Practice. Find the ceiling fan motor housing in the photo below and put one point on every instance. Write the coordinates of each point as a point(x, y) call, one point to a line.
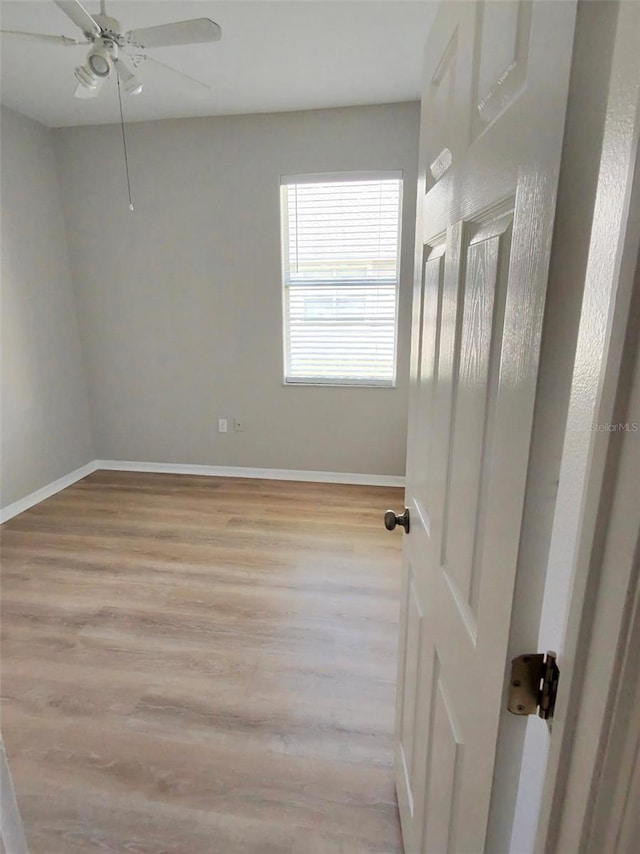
point(109, 29)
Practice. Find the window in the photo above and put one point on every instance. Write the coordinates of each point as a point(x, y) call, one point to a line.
point(340, 247)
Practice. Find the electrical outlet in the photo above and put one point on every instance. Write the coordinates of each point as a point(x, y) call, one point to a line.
point(238, 425)
point(222, 425)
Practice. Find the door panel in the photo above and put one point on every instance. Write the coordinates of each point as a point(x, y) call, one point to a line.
point(433, 285)
point(502, 45)
point(446, 753)
point(482, 311)
point(413, 645)
point(448, 68)
point(485, 225)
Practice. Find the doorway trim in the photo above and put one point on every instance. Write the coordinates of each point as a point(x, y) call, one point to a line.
point(590, 654)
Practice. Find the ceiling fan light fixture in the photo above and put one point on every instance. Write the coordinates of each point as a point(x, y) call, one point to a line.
point(99, 65)
point(132, 86)
point(85, 77)
point(99, 60)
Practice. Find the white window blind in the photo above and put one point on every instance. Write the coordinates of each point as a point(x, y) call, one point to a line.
point(341, 242)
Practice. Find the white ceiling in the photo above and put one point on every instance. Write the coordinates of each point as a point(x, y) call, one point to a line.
point(274, 55)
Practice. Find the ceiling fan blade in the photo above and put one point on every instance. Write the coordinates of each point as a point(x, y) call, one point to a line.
point(86, 93)
point(203, 86)
point(182, 32)
point(44, 37)
point(80, 17)
point(130, 83)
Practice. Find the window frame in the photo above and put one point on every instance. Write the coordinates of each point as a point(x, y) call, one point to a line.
point(326, 178)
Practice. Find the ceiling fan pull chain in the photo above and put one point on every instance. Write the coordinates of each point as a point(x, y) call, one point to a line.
point(124, 144)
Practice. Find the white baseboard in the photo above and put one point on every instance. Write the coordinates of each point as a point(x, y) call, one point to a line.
point(47, 491)
point(259, 474)
point(50, 489)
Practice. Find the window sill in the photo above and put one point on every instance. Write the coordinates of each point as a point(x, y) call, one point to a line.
point(320, 384)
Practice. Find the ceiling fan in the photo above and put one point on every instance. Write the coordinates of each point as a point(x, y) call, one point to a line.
point(111, 48)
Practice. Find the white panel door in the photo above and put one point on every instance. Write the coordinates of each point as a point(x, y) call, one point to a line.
point(494, 103)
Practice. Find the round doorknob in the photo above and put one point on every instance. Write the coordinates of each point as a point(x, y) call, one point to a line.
point(392, 519)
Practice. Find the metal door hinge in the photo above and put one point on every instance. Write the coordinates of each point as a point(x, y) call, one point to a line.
point(534, 684)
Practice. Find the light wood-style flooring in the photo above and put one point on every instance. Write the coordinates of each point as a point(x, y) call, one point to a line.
point(196, 665)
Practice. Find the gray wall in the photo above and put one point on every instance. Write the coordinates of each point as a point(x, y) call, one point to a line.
point(180, 302)
point(45, 425)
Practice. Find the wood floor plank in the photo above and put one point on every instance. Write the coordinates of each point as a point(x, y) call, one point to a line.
point(195, 665)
